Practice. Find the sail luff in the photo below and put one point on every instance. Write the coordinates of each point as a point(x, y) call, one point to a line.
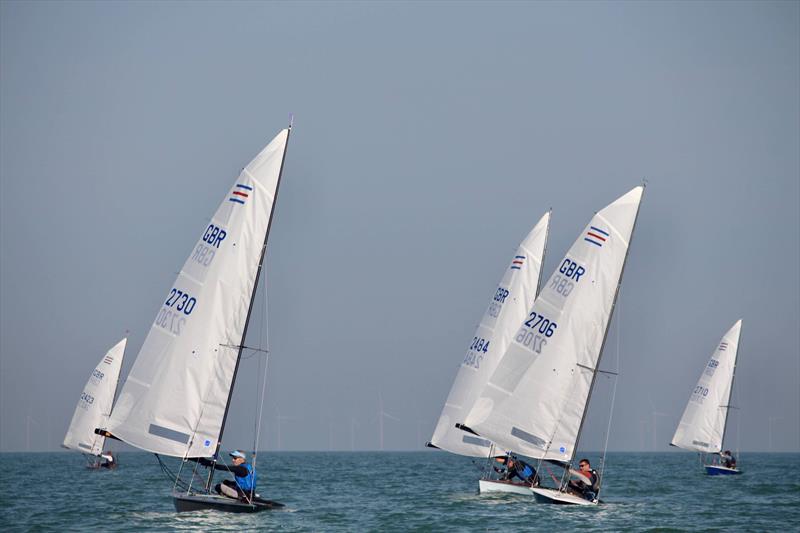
point(730, 392)
point(608, 326)
point(178, 391)
point(507, 308)
point(704, 420)
point(544, 254)
point(95, 404)
point(255, 288)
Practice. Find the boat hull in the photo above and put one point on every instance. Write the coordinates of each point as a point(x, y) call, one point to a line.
point(509, 487)
point(718, 470)
point(200, 502)
point(557, 497)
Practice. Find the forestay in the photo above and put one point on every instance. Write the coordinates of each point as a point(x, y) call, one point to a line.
point(507, 310)
point(702, 426)
point(175, 398)
point(535, 400)
point(96, 403)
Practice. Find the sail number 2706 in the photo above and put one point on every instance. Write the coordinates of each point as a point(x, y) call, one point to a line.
point(535, 331)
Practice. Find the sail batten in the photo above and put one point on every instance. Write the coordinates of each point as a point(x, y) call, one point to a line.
point(507, 308)
point(702, 426)
point(535, 401)
point(96, 403)
point(176, 396)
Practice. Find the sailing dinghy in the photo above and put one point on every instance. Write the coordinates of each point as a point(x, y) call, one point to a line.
point(705, 419)
point(176, 398)
point(535, 401)
point(507, 309)
point(94, 407)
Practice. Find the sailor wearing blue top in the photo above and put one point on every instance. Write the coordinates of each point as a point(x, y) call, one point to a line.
point(243, 485)
point(516, 468)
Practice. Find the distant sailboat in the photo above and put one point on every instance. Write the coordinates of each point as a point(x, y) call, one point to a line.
point(507, 309)
point(535, 401)
point(94, 407)
point(176, 398)
point(702, 427)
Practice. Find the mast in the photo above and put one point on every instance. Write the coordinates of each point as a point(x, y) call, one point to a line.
point(730, 393)
point(595, 370)
point(250, 307)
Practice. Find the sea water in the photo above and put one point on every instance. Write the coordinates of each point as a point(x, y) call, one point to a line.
point(396, 491)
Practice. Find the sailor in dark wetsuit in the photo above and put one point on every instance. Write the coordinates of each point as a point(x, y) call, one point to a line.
point(579, 487)
point(517, 469)
point(727, 459)
point(243, 486)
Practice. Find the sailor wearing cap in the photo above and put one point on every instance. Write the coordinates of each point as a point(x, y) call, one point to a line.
point(243, 485)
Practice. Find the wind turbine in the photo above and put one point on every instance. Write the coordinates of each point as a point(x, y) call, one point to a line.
point(420, 423)
point(771, 420)
point(654, 414)
point(28, 432)
point(353, 426)
point(642, 431)
point(381, 415)
point(280, 419)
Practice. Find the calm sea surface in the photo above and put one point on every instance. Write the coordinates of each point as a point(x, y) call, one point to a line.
point(425, 491)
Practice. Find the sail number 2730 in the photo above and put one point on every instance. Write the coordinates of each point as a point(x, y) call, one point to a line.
point(172, 316)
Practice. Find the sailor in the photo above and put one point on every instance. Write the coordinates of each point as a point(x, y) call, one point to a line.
point(579, 486)
point(243, 485)
point(516, 468)
point(109, 462)
point(727, 459)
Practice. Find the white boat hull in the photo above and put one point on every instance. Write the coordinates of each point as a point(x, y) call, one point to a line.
point(496, 485)
point(558, 497)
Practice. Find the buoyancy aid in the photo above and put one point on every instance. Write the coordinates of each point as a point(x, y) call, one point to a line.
point(595, 481)
point(248, 482)
point(526, 472)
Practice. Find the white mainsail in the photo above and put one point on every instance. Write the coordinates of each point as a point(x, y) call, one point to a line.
point(175, 398)
point(535, 400)
point(702, 426)
point(507, 309)
point(96, 403)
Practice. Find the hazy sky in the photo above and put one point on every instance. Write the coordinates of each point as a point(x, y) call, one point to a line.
point(428, 140)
